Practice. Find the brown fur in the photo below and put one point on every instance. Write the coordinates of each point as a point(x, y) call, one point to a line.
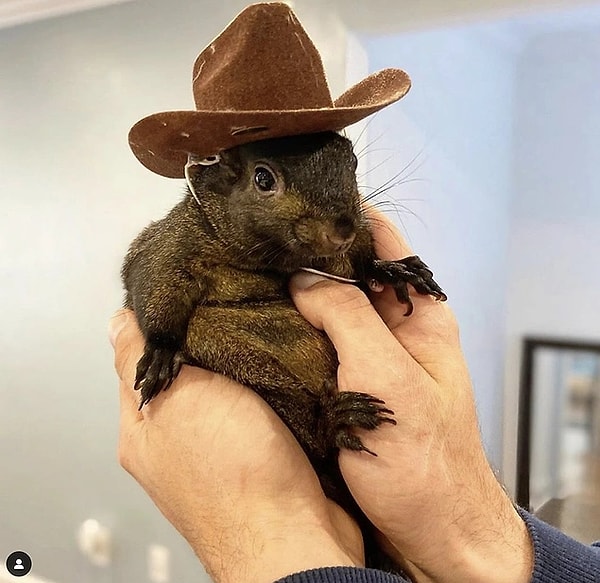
point(209, 282)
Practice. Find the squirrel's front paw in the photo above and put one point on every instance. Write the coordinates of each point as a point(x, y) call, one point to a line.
point(348, 410)
point(400, 273)
point(156, 370)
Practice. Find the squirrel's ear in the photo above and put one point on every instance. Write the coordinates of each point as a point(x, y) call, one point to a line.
point(231, 166)
point(219, 173)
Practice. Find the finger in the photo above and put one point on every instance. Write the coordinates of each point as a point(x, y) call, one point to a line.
point(389, 243)
point(430, 334)
point(129, 426)
point(126, 339)
point(116, 323)
point(128, 344)
point(429, 316)
point(348, 318)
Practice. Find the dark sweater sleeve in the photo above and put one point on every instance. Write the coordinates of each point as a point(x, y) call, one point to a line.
point(558, 559)
point(343, 575)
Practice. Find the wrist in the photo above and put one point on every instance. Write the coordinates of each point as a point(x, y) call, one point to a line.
point(279, 557)
point(269, 546)
point(497, 548)
point(484, 542)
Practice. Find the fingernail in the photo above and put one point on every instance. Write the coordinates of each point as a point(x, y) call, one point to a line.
point(304, 280)
point(116, 324)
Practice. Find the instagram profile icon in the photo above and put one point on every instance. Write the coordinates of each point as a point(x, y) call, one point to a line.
point(18, 564)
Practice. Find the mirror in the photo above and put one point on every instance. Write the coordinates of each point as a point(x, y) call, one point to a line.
point(559, 435)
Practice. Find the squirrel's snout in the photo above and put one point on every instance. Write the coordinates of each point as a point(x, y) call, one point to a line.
point(345, 226)
point(326, 238)
point(339, 244)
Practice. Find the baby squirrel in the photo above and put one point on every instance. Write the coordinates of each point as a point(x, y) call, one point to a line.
point(209, 286)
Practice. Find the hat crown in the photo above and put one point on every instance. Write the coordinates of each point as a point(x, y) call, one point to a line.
point(263, 61)
point(261, 78)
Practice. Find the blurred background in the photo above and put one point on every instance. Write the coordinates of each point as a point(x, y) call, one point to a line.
point(495, 160)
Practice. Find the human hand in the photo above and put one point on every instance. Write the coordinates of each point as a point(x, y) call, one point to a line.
point(430, 492)
point(227, 473)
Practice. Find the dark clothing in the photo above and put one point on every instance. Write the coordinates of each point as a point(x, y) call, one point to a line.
point(558, 559)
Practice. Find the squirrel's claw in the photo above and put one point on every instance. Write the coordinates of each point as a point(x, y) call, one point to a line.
point(346, 411)
point(156, 371)
point(410, 270)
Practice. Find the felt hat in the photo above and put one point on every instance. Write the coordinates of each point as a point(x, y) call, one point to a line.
point(261, 78)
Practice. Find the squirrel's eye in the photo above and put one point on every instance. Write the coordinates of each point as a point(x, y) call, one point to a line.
point(264, 179)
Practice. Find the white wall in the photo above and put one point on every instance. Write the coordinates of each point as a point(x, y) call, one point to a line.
point(555, 235)
point(73, 197)
point(453, 132)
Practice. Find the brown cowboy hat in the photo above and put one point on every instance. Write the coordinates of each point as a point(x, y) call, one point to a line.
point(262, 77)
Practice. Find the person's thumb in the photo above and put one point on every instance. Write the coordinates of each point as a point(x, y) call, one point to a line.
point(346, 315)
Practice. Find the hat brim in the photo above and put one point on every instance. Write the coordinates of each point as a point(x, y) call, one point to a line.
point(163, 141)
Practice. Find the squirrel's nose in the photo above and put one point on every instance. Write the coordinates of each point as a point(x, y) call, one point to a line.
point(340, 244)
point(344, 226)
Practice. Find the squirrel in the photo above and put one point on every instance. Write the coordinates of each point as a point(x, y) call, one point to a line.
point(209, 287)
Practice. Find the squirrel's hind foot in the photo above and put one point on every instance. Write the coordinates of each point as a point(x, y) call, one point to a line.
point(346, 411)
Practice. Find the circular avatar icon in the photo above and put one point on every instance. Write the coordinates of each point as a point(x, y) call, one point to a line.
point(18, 564)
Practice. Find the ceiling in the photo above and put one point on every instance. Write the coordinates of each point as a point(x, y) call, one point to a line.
point(416, 14)
point(13, 12)
point(520, 19)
